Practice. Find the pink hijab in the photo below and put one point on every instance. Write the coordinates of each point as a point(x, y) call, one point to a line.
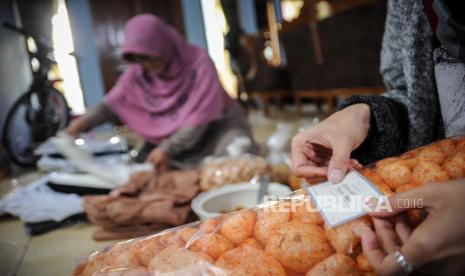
point(188, 92)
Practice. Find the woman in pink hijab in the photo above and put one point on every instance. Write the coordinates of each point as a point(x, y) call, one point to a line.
point(171, 96)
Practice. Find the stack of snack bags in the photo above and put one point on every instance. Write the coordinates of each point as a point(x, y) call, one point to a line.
point(280, 238)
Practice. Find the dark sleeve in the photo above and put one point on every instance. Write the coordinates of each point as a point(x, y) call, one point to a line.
point(184, 139)
point(388, 132)
point(98, 115)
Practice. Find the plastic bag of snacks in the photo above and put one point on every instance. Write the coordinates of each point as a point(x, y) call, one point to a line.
point(284, 237)
point(219, 172)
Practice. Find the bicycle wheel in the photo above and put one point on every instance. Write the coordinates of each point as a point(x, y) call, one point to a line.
point(36, 116)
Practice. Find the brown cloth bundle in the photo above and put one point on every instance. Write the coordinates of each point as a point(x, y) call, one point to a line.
point(150, 201)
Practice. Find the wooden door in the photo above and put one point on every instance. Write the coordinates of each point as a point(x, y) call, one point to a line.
point(109, 18)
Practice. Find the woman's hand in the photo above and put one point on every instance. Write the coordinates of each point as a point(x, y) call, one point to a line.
point(76, 127)
point(437, 244)
point(159, 158)
point(324, 150)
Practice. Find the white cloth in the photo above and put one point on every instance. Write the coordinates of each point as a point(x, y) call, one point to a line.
point(117, 174)
point(36, 202)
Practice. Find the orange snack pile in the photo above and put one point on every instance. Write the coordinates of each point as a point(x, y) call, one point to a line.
point(277, 239)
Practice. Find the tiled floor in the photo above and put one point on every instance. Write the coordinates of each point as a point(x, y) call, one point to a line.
point(57, 252)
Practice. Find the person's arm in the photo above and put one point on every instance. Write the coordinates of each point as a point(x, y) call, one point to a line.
point(388, 132)
point(369, 128)
point(184, 139)
point(407, 115)
point(94, 117)
point(100, 114)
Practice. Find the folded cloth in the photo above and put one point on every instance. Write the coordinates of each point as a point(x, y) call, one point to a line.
point(150, 201)
point(36, 202)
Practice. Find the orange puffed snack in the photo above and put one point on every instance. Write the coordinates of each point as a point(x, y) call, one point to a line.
point(187, 233)
point(287, 237)
point(455, 165)
point(147, 248)
point(461, 145)
point(252, 242)
point(363, 263)
point(447, 146)
point(432, 153)
point(248, 260)
point(429, 171)
point(395, 173)
point(346, 237)
point(305, 211)
point(174, 259)
point(374, 178)
point(268, 218)
point(336, 265)
point(298, 246)
point(238, 226)
point(211, 244)
point(210, 225)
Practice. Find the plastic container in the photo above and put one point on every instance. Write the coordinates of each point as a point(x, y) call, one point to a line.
point(232, 198)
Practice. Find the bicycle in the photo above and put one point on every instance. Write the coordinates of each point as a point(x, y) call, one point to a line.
point(40, 112)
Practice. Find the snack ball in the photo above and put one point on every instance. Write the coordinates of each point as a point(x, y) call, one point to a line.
point(305, 211)
point(335, 265)
point(212, 244)
point(460, 146)
point(396, 173)
point(428, 171)
point(170, 239)
point(252, 242)
point(447, 146)
point(239, 226)
point(268, 218)
point(345, 237)
point(455, 166)
point(374, 178)
point(432, 153)
point(175, 259)
point(147, 248)
point(187, 233)
point(363, 263)
point(247, 260)
point(298, 246)
point(126, 259)
point(210, 225)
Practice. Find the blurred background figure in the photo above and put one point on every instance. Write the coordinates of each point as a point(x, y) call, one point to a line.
point(171, 96)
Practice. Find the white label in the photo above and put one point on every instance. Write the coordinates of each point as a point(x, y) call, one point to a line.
point(345, 201)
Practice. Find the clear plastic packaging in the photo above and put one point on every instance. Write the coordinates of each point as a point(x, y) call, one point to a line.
point(224, 171)
point(284, 237)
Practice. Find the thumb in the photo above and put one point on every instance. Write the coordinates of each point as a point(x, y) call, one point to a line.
point(339, 162)
point(412, 199)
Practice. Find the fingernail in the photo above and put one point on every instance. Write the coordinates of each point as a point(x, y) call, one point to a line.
point(336, 176)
